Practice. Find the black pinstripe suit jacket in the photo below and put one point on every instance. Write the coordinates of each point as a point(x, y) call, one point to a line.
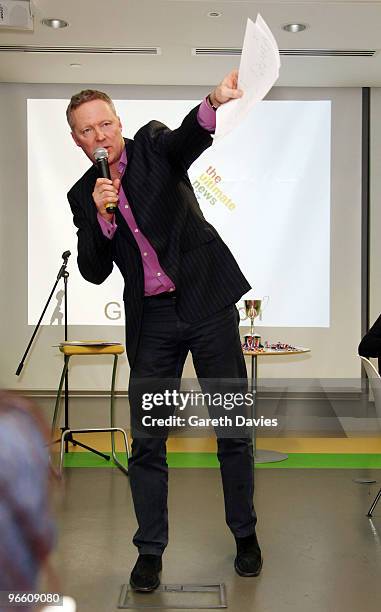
point(161, 197)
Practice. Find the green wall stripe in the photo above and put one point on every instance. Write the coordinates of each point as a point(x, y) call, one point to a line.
point(209, 460)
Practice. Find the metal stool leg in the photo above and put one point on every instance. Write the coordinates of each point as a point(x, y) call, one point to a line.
point(94, 429)
point(64, 434)
point(57, 410)
point(116, 460)
point(69, 432)
point(374, 503)
point(112, 420)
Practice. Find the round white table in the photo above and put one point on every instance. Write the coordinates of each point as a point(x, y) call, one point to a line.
point(260, 455)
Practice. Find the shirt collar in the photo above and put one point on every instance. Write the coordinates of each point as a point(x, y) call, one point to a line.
point(122, 162)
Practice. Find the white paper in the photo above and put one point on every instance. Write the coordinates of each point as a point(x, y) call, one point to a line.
point(258, 71)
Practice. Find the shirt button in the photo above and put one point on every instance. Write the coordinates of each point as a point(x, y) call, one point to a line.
point(136, 231)
point(126, 206)
point(159, 274)
point(145, 254)
point(172, 289)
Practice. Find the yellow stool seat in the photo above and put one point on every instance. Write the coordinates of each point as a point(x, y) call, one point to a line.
point(91, 347)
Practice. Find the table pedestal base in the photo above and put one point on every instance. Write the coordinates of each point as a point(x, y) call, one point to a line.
point(268, 456)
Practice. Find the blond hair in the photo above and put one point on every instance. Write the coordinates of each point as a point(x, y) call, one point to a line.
point(86, 95)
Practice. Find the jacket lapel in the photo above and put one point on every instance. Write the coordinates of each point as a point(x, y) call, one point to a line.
point(122, 224)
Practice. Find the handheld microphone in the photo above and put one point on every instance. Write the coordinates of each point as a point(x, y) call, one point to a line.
point(101, 158)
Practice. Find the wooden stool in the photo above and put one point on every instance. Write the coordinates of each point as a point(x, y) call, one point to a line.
point(82, 348)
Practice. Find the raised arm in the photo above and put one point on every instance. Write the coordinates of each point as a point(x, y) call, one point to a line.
point(186, 143)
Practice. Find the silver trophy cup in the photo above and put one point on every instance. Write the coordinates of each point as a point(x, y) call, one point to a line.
point(253, 310)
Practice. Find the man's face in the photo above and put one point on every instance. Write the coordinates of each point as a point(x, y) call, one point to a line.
point(95, 125)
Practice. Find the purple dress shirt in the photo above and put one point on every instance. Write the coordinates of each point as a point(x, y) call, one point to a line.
point(155, 279)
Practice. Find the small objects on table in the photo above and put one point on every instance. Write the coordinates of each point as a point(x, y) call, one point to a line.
point(253, 343)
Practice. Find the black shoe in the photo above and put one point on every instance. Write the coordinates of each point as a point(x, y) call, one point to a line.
point(145, 574)
point(248, 561)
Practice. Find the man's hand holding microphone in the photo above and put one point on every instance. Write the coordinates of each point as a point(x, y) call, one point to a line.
point(106, 190)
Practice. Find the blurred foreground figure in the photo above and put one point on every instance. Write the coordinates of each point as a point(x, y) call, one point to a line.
point(26, 526)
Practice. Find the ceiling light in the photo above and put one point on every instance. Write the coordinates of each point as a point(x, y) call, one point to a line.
point(56, 24)
point(75, 65)
point(214, 14)
point(294, 27)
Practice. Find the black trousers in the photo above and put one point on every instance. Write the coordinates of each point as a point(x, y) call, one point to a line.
point(215, 346)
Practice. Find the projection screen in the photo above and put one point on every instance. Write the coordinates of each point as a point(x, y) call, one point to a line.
point(265, 187)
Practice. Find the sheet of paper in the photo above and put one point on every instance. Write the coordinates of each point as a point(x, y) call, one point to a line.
point(258, 71)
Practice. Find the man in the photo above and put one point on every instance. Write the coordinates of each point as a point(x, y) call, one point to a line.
point(370, 345)
point(181, 286)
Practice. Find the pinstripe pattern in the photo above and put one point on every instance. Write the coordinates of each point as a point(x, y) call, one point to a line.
point(161, 197)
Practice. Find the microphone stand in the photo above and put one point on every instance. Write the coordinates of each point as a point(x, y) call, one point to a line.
point(63, 273)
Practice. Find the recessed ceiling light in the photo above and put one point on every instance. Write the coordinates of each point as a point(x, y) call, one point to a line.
point(55, 23)
point(294, 27)
point(75, 65)
point(214, 14)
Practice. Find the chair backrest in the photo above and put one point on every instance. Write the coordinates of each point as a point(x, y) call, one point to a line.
point(374, 382)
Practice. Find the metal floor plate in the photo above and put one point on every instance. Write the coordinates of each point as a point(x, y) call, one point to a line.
point(175, 597)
